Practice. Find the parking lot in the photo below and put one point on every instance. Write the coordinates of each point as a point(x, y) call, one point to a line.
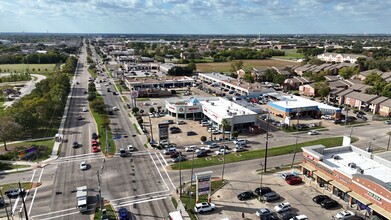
point(299, 196)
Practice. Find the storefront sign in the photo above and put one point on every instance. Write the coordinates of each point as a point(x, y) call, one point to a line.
point(342, 179)
point(320, 166)
point(374, 196)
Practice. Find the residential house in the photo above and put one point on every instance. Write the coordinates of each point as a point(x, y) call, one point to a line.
point(302, 69)
point(258, 74)
point(295, 82)
point(307, 90)
point(359, 100)
point(339, 58)
point(375, 104)
point(385, 108)
point(363, 75)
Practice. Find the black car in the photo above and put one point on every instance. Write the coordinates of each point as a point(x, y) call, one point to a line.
point(75, 144)
point(329, 203)
point(245, 195)
point(173, 128)
point(287, 215)
point(191, 133)
point(2, 202)
point(319, 198)
point(202, 154)
point(175, 131)
point(128, 105)
point(260, 191)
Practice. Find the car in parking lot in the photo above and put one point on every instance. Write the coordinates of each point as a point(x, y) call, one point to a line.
point(175, 131)
point(179, 159)
point(213, 145)
point(286, 176)
point(130, 148)
point(294, 180)
point(191, 133)
point(180, 122)
point(222, 152)
point(319, 198)
point(239, 149)
point(245, 195)
point(95, 149)
point(287, 215)
point(2, 202)
point(271, 196)
point(282, 207)
point(388, 122)
point(202, 154)
point(75, 144)
point(329, 203)
point(260, 191)
point(83, 165)
point(204, 207)
point(169, 150)
point(240, 141)
point(169, 121)
point(263, 212)
point(191, 148)
point(300, 217)
point(175, 154)
point(342, 215)
point(313, 132)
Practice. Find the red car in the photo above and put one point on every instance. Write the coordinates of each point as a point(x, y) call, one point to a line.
point(94, 142)
point(95, 149)
point(294, 180)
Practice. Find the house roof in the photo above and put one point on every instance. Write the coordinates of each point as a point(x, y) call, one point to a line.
point(386, 103)
point(379, 100)
point(336, 91)
point(359, 87)
point(331, 77)
point(367, 72)
point(362, 96)
point(386, 75)
point(338, 83)
point(347, 91)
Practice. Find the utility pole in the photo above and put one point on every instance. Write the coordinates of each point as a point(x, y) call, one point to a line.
point(261, 172)
point(192, 169)
point(222, 173)
point(294, 153)
point(346, 118)
point(388, 144)
point(24, 204)
point(150, 126)
point(267, 140)
point(100, 192)
point(180, 179)
point(5, 207)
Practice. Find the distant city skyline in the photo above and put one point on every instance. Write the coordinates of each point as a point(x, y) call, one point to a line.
point(196, 16)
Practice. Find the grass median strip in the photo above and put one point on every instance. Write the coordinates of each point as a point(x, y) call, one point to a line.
point(257, 154)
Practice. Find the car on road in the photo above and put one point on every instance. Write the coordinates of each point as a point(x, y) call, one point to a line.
point(342, 215)
point(80, 117)
point(94, 142)
point(179, 159)
point(329, 203)
point(95, 149)
point(260, 191)
point(122, 152)
point(263, 212)
point(213, 145)
point(94, 136)
point(191, 148)
point(282, 207)
point(123, 214)
point(286, 176)
point(240, 141)
point(75, 144)
point(130, 148)
point(191, 133)
point(204, 207)
point(83, 165)
point(222, 152)
point(388, 122)
point(271, 196)
point(12, 193)
point(299, 217)
point(313, 132)
point(85, 109)
point(294, 180)
point(245, 195)
point(319, 198)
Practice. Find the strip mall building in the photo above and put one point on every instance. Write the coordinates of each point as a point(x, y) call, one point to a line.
point(358, 177)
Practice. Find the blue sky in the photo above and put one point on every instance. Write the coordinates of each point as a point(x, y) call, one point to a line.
point(196, 16)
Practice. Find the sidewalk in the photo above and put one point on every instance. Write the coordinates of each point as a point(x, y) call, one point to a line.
point(180, 207)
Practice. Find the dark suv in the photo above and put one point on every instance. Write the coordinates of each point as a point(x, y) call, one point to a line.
point(329, 203)
point(245, 195)
point(260, 191)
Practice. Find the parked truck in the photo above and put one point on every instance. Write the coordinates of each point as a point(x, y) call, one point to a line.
point(81, 197)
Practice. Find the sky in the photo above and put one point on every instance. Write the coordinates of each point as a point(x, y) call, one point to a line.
point(196, 16)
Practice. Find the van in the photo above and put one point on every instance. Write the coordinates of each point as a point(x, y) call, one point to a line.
point(270, 196)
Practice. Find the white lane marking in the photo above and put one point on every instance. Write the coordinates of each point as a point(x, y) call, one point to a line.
point(164, 168)
point(80, 159)
point(32, 177)
point(163, 158)
point(79, 155)
point(35, 192)
point(64, 210)
point(17, 200)
point(58, 216)
point(157, 168)
point(140, 201)
point(157, 192)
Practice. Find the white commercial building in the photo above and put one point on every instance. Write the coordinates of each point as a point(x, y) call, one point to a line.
point(216, 109)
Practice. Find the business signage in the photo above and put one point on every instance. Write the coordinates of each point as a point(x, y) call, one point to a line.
point(374, 196)
point(203, 183)
point(163, 131)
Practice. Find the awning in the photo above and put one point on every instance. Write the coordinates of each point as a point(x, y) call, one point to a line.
point(323, 176)
point(340, 186)
point(358, 197)
point(381, 211)
point(308, 167)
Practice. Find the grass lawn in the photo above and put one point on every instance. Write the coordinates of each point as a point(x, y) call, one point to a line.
point(15, 185)
point(41, 156)
point(189, 204)
point(135, 128)
point(142, 99)
point(92, 73)
point(21, 68)
point(102, 135)
point(257, 154)
point(7, 166)
point(109, 210)
point(291, 54)
point(247, 64)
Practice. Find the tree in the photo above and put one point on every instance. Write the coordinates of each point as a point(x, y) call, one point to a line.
point(348, 72)
point(248, 78)
point(9, 129)
point(192, 66)
point(387, 91)
point(224, 126)
point(135, 110)
point(322, 88)
point(203, 138)
point(152, 110)
point(235, 134)
point(372, 78)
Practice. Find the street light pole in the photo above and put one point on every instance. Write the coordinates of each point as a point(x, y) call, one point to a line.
point(294, 153)
point(192, 169)
point(107, 142)
point(222, 173)
point(180, 179)
point(261, 172)
point(267, 140)
point(5, 207)
point(150, 126)
point(24, 204)
point(388, 144)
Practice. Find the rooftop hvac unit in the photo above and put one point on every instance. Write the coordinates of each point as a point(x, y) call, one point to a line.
point(352, 165)
point(335, 157)
point(212, 103)
point(359, 170)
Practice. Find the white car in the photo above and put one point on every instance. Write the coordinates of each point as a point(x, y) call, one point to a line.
point(299, 217)
point(344, 214)
point(115, 108)
point(202, 149)
point(213, 145)
point(282, 207)
point(240, 141)
point(313, 132)
point(221, 152)
point(204, 207)
point(85, 109)
point(83, 165)
point(239, 149)
point(130, 148)
point(191, 148)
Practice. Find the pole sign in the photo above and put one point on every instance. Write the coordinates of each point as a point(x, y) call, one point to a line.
point(203, 184)
point(163, 131)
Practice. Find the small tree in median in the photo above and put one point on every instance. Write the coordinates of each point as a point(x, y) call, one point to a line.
point(203, 139)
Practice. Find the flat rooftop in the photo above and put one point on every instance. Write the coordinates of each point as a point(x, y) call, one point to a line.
point(226, 108)
point(300, 102)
